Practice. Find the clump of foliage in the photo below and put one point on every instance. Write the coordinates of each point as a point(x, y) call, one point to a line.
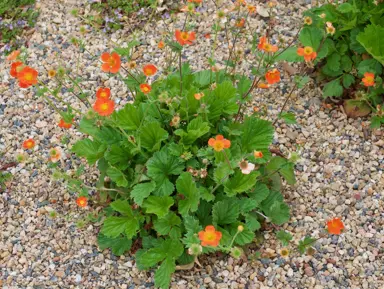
point(349, 34)
point(15, 17)
point(184, 169)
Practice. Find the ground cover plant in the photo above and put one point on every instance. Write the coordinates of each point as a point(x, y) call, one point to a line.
point(15, 17)
point(352, 67)
point(184, 169)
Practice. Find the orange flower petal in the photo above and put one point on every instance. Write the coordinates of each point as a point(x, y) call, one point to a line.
point(105, 56)
point(211, 142)
point(227, 143)
point(219, 137)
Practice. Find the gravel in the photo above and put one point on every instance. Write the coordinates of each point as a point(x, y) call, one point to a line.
point(340, 173)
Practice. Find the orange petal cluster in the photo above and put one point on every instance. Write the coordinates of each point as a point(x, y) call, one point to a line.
point(307, 52)
point(149, 70)
point(13, 56)
point(111, 62)
point(104, 107)
point(28, 144)
point(258, 154)
point(272, 76)
point(145, 88)
point(369, 79)
point(82, 202)
point(26, 75)
point(335, 226)
point(103, 93)
point(210, 237)
point(64, 124)
point(264, 45)
point(184, 37)
point(219, 144)
point(161, 44)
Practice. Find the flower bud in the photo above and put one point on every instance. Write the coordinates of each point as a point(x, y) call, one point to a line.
point(195, 249)
point(240, 228)
point(236, 252)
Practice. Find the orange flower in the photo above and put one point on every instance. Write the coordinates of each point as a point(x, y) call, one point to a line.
point(195, 1)
point(183, 37)
point(219, 143)
point(64, 124)
point(251, 9)
point(210, 237)
point(149, 70)
point(111, 62)
point(257, 154)
point(330, 29)
point(28, 144)
point(16, 67)
point(308, 20)
point(307, 52)
point(198, 96)
point(161, 44)
point(207, 35)
point(55, 154)
point(266, 46)
point(240, 23)
point(27, 77)
point(145, 88)
point(51, 73)
point(272, 76)
point(263, 85)
point(369, 79)
point(103, 93)
point(335, 226)
point(104, 107)
point(13, 56)
point(82, 202)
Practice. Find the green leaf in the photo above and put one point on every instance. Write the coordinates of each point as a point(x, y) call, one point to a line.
point(225, 212)
point(123, 207)
point(151, 136)
point(203, 78)
point(288, 117)
point(117, 154)
point(311, 36)
point(244, 237)
point(260, 193)
point(142, 191)
point(371, 39)
point(278, 213)
point(117, 176)
point(301, 81)
point(333, 61)
point(284, 237)
point(257, 134)
point(88, 126)
point(345, 8)
point(333, 88)
point(348, 80)
point(114, 226)
point(91, 150)
point(240, 182)
point(354, 44)
point(160, 167)
point(206, 194)
point(164, 272)
point(252, 222)
point(128, 118)
point(370, 65)
point(290, 55)
point(221, 172)
point(346, 63)
point(118, 245)
point(169, 223)
point(195, 129)
point(306, 243)
point(283, 167)
point(186, 186)
point(376, 121)
point(158, 205)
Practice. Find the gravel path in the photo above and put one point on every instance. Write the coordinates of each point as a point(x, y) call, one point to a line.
point(340, 174)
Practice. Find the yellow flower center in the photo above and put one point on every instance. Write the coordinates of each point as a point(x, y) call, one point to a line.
point(145, 89)
point(103, 94)
point(104, 107)
point(369, 79)
point(184, 35)
point(28, 76)
point(111, 61)
point(210, 236)
point(218, 146)
point(308, 50)
point(53, 153)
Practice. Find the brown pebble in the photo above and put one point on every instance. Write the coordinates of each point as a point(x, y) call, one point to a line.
point(60, 274)
point(56, 259)
point(308, 271)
